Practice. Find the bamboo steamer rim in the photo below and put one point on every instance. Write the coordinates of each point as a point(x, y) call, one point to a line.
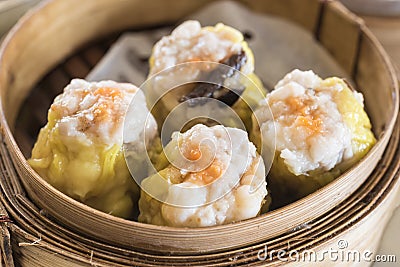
point(189, 235)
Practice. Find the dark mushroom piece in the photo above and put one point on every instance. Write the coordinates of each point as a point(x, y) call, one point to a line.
point(215, 88)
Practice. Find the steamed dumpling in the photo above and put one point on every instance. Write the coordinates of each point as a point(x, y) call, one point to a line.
point(214, 176)
point(79, 151)
point(319, 128)
point(191, 43)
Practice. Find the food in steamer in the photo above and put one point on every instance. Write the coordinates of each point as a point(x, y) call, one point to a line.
point(190, 54)
point(312, 130)
point(214, 176)
point(80, 150)
point(319, 128)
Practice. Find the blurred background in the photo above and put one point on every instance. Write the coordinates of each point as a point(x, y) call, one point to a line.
point(374, 7)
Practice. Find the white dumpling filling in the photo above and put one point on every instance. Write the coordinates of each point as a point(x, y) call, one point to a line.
point(216, 177)
point(94, 112)
point(189, 42)
point(307, 127)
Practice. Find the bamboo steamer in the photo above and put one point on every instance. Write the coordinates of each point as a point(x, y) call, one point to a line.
point(51, 229)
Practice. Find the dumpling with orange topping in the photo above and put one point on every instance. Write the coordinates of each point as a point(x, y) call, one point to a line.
point(196, 62)
point(319, 128)
point(79, 151)
point(211, 176)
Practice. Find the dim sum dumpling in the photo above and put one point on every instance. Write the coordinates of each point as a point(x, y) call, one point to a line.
point(214, 177)
point(79, 151)
point(191, 43)
point(319, 128)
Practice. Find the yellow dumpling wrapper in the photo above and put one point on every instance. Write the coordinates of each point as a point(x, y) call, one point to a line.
point(95, 175)
point(79, 151)
point(326, 133)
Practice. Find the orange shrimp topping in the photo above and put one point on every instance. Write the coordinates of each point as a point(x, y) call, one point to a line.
point(108, 92)
point(190, 151)
point(203, 177)
point(194, 154)
point(306, 117)
point(297, 106)
point(312, 125)
point(103, 110)
point(206, 176)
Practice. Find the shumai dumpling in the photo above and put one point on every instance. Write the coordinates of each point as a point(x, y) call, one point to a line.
point(211, 176)
point(192, 43)
point(80, 150)
point(319, 128)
